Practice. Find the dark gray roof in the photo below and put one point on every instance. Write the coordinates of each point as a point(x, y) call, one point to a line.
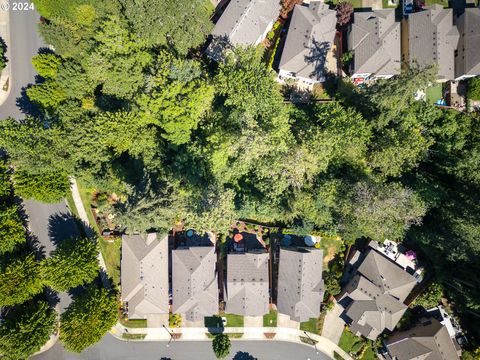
point(433, 39)
point(309, 38)
point(376, 294)
point(144, 275)
point(194, 282)
point(427, 341)
point(300, 284)
point(375, 39)
point(468, 59)
point(244, 21)
point(247, 284)
point(385, 274)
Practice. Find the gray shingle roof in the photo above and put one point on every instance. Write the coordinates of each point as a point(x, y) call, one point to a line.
point(468, 59)
point(247, 284)
point(144, 275)
point(245, 21)
point(387, 275)
point(426, 341)
point(194, 282)
point(300, 284)
point(375, 39)
point(309, 38)
point(433, 39)
point(377, 292)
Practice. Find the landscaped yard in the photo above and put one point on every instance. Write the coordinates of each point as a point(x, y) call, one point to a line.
point(133, 336)
point(270, 320)
point(330, 246)
point(386, 5)
point(434, 93)
point(310, 326)
point(444, 3)
point(356, 345)
point(137, 323)
point(110, 250)
point(355, 3)
point(234, 320)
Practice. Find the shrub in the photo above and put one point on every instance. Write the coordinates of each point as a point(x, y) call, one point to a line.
point(221, 346)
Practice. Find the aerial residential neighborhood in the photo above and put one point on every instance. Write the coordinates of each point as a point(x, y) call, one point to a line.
point(240, 179)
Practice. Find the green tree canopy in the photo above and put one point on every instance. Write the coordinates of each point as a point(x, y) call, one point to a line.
point(48, 187)
point(20, 280)
point(221, 346)
point(88, 318)
point(12, 231)
point(73, 263)
point(25, 329)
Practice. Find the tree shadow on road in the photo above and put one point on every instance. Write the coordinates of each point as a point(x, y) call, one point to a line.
point(61, 226)
point(242, 355)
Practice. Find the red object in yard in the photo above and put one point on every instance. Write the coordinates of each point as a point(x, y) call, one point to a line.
point(238, 237)
point(358, 81)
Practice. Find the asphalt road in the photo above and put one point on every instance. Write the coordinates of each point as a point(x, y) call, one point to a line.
point(111, 348)
point(51, 224)
point(25, 42)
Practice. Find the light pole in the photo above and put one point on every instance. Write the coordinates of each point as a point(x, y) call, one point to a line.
point(169, 333)
point(313, 341)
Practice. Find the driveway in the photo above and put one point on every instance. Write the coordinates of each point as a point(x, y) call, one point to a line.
point(50, 224)
point(112, 349)
point(333, 325)
point(24, 43)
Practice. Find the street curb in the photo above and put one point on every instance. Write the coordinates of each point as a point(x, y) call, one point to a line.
point(7, 72)
point(285, 335)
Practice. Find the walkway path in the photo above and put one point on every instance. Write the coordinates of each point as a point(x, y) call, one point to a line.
point(249, 333)
point(82, 214)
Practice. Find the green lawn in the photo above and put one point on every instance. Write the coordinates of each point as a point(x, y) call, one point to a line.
point(234, 320)
point(355, 3)
point(444, 3)
point(310, 326)
point(434, 93)
point(110, 250)
point(133, 336)
point(270, 320)
point(354, 344)
point(140, 323)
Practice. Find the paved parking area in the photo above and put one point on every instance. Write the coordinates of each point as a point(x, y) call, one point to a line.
point(333, 325)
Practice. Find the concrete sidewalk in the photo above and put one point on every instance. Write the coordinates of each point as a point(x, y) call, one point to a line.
point(82, 213)
point(249, 333)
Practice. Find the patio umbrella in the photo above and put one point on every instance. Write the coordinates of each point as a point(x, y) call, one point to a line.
point(189, 233)
point(310, 240)
point(237, 237)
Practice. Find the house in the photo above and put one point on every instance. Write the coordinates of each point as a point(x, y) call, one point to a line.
point(247, 289)
point(467, 57)
point(309, 47)
point(144, 275)
point(244, 22)
point(432, 39)
point(300, 284)
point(194, 280)
point(374, 297)
point(429, 340)
point(374, 40)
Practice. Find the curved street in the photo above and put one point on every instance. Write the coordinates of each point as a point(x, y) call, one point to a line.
point(25, 41)
point(111, 348)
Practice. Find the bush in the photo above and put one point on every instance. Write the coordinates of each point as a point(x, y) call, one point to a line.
point(221, 346)
point(430, 297)
point(474, 88)
point(175, 320)
point(3, 57)
point(45, 187)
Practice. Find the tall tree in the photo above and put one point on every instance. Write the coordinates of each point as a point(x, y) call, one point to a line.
point(48, 187)
point(221, 346)
point(20, 280)
point(25, 329)
point(88, 318)
point(73, 263)
point(12, 231)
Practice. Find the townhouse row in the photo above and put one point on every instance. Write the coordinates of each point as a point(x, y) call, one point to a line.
point(379, 42)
